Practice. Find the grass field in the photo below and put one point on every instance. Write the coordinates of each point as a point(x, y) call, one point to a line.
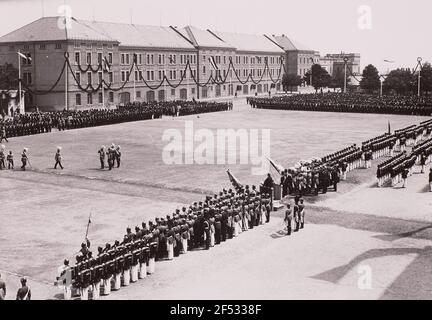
point(44, 211)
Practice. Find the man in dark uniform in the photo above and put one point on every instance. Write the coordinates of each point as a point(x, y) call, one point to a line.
point(102, 157)
point(24, 159)
point(118, 156)
point(10, 160)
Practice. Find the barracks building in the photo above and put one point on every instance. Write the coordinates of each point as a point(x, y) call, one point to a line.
point(186, 56)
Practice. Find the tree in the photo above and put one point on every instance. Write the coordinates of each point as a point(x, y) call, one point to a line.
point(426, 78)
point(337, 80)
point(320, 77)
point(401, 81)
point(370, 81)
point(8, 77)
point(290, 80)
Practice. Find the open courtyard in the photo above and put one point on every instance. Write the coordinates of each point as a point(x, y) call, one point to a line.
point(44, 212)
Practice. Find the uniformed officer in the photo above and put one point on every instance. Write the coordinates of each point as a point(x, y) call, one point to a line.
point(102, 157)
point(65, 279)
point(118, 156)
point(10, 160)
point(302, 213)
point(24, 159)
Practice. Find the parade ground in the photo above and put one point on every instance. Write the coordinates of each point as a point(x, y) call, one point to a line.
point(360, 229)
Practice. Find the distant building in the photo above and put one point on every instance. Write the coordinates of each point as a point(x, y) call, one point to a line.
point(334, 63)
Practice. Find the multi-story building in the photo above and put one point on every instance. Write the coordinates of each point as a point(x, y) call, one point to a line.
point(102, 54)
point(300, 59)
point(335, 63)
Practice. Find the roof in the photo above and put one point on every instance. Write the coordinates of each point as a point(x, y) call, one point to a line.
point(133, 35)
point(290, 44)
point(47, 29)
point(203, 38)
point(249, 42)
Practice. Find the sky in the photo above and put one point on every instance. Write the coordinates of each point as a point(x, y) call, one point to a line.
point(377, 29)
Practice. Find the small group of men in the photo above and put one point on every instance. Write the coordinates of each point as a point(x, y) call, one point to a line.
point(24, 159)
point(295, 215)
point(113, 155)
point(23, 293)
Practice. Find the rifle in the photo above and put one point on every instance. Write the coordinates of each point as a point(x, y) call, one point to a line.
point(88, 225)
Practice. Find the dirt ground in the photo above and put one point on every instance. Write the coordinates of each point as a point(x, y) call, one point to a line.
point(44, 213)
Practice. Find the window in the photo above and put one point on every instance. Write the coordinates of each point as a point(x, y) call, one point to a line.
point(140, 58)
point(204, 70)
point(100, 76)
point(127, 59)
point(78, 99)
point(29, 61)
point(89, 77)
point(110, 77)
point(78, 77)
point(152, 61)
point(111, 97)
point(174, 74)
point(148, 59)
point(89, 98)
point(160, 75)
point(152, 75)
point(193, 90)
point(89, 58)
point(123, 76)
point(127, 75)
point(42, 46)
point(122, 58)
point(77, 45)
point(100, 98)
point(138, 94)
point(58, 45)
point(160, 59)
point(77, 58)
point(140, 75)
point(148, 75)
point(173, 92)
point(99, 57)
point(27, 78)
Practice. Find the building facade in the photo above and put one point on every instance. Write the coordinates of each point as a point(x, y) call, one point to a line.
point(104, 53)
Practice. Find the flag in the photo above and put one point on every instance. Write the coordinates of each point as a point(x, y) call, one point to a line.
point(389, 61)
point(277, 167)
point(25, 56)
point(213, 63)
point(237, 185)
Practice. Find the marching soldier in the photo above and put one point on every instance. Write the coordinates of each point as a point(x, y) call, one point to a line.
point(102, 157)
point(3, 133)
point(10, 160)
point(58, 158)
point(118, 156)
point(24, 159)
point(296, 214)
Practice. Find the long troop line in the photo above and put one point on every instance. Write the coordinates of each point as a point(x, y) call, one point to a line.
point(204, 224)
point(318, 174)
point(399, 167)
point(44, 122)
point(349, 102)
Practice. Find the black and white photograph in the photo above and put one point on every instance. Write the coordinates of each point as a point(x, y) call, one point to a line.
point(223, 151)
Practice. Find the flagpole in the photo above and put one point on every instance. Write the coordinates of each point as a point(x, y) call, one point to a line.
point(102, 83)
point(19, 77)
point(66, 88)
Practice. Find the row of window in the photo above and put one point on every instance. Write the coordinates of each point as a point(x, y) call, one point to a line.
point(78, 101)
point(307, 60)
point(89, 58)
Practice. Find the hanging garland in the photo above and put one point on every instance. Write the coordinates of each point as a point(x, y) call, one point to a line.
point(40, 93)
point(219, 80)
